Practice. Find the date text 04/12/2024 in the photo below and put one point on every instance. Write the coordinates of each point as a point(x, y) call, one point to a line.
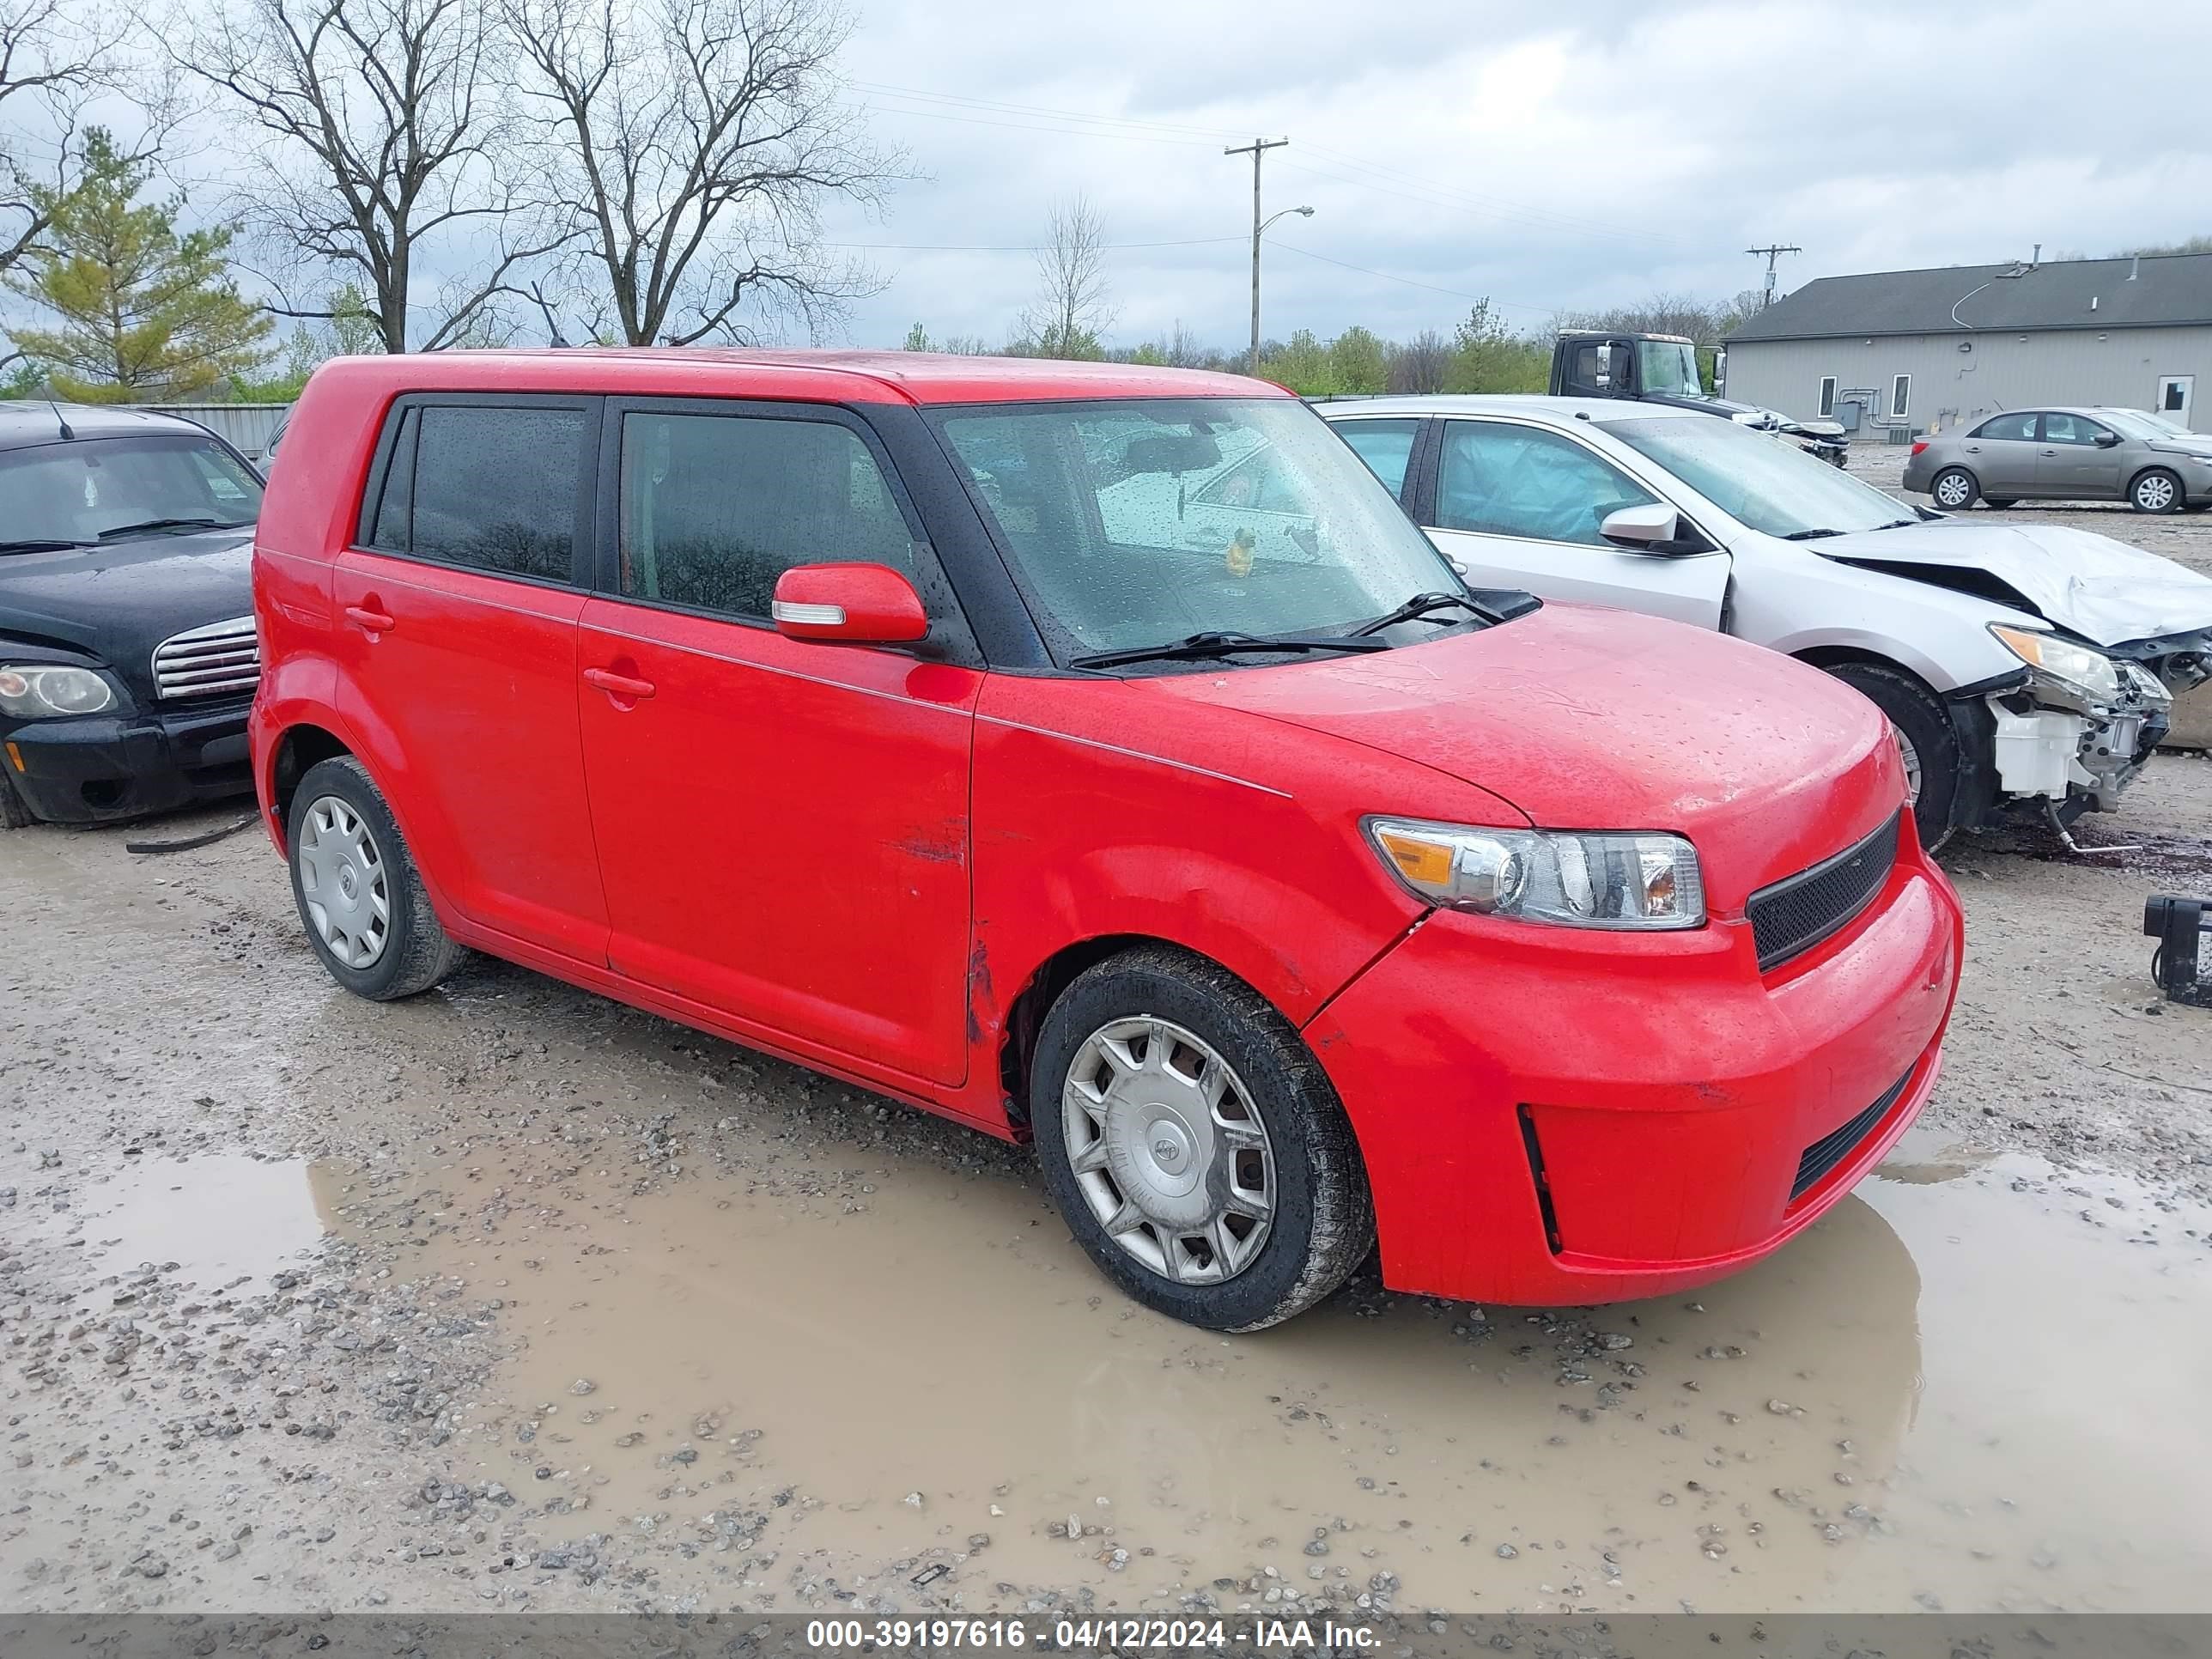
point(1090, 1635)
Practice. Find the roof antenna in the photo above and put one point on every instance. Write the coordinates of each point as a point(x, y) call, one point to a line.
point(68, 432)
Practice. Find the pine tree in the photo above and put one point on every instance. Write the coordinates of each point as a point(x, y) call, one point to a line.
point(145, 315)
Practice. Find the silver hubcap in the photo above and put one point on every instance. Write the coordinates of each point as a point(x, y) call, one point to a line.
point(2156, 494)
point(1911, 758)
point(342, 879)
point(1169, 1151)
point(1952, 491)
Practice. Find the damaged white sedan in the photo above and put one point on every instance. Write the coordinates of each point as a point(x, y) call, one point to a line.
point(2026, 668)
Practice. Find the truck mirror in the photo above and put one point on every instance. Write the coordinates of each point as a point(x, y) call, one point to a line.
point(1605, 363)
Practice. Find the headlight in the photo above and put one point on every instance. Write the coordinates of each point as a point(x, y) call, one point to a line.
point(36, 691)
point(2088, 671)
point(1569, 878)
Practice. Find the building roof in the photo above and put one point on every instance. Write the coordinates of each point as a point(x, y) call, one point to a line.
point(918, 377)
point(2158, 289)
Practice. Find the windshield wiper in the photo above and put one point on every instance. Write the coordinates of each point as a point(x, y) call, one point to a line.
point(39, 545)
point(111, 533)
point(1898, 523)
point(1420, 605)
point(1810, 534)
point(1222, 643)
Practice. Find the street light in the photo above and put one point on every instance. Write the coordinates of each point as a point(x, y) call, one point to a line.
point(1258, 229)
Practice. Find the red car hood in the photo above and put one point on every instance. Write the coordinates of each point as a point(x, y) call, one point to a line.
point(1587, 719)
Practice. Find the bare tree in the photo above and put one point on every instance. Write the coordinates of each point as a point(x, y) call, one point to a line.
point(697, 141)
point(54, 58)
point(1072, 306)
point(1421, 363)
point(384, 144)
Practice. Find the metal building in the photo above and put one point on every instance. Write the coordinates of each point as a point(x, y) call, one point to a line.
point(1922, 349)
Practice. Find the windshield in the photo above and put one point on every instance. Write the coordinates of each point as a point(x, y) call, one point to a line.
point(76, 490)
point(1135, 524)
point(1668, 368)
point(2134, 424)
point(1766, 482)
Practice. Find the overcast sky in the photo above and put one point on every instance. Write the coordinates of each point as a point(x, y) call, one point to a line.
point(1548, 155)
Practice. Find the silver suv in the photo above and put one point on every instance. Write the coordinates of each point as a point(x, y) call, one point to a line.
point(2064, 454)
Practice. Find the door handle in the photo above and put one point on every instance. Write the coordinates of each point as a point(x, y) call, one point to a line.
point(617, 686)
point(2047, 452)
point(375, 621)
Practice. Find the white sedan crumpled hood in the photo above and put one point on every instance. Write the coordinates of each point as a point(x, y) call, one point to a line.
point(2103, 590)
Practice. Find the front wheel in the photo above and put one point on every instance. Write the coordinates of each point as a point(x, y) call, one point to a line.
point(1954, 489)
point(2155, 491)
point(360, 897)
point(1926, 742)
point(14, 814)
point(1194, 1145)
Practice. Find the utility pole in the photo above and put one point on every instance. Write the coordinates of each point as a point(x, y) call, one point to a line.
point(1256, 148)
point(1771, 253)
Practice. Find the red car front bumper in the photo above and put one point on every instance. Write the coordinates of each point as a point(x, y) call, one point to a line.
point(1552, 1116)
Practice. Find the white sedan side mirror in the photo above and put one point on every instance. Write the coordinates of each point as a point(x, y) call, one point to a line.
point(1636, 527)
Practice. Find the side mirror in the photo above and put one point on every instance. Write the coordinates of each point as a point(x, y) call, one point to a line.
point(1605, 365)
point(859, 604)
point(1640, 528)
point(2108, 440)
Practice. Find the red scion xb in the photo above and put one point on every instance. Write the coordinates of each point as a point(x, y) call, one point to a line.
point(1098, 756)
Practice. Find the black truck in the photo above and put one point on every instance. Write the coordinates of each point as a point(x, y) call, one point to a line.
point(1662, 368)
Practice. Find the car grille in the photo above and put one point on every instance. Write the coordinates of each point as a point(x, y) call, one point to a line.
point(220, 660)
point(1793, 916)
point(1839, 1143)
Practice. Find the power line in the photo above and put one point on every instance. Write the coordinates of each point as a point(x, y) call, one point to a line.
point(1441, 196)
point(1387, 276)
point(1004, 107)
point(1018, 247)
point(1031, 126)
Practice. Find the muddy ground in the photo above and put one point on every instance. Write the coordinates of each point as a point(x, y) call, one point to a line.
point(512, 1298)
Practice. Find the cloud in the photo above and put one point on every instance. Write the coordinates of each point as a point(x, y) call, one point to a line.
point(1499, 150)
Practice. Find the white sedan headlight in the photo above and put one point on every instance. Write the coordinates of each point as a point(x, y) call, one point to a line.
point(2090, 673)
point(1643, 881)
point(42, 691)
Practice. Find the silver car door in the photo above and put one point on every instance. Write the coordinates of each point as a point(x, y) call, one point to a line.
point(1519, 506)
point(2001, 454)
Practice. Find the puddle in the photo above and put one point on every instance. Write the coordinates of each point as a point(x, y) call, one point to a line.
point(218, 1216)
point(1974, 1386)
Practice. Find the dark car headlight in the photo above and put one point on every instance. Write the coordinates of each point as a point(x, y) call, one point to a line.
point(47, 691)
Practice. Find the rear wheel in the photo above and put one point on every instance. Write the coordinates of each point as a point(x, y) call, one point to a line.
point(2155, 491)
point(360, 897)
point(1954, 489)
point(1926, 741)
point(1194, 1145)
point(1992, 501)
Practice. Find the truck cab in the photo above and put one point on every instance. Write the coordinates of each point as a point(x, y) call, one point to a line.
point(1662, 368)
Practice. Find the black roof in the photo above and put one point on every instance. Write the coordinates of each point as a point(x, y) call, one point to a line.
point(2156, 290)
point(27, 421)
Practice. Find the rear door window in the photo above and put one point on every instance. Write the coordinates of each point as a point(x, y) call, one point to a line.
point(490, 487)
point(714, 507)
point(2010, 428)
point(1386, 446)
point(1500, 480)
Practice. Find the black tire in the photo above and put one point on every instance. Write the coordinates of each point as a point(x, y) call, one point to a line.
point(2154, 489)
point(1322, 1223)
point(1991, 500)
point(416, 952)
point(1914, 710)
point(14, 814)
point(1960, 479)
